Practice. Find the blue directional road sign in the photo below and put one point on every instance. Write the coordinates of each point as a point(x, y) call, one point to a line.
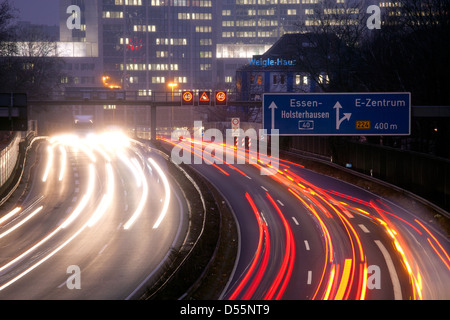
point(334, 114)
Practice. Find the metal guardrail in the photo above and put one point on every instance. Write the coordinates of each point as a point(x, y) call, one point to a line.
point(8, 159)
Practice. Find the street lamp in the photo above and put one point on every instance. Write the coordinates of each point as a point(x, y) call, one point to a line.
point(172, 85)
point(106, 83)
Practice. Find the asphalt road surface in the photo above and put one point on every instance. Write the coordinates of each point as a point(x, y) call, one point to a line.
point(97, 222)
point(100, 217)
point(308, 236)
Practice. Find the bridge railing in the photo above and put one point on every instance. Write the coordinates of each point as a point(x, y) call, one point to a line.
point(109, 94)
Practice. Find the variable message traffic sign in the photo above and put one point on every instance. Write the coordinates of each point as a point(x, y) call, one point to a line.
point(333, 114)
point(204, 98)
point(221, 98)
point(187, 98)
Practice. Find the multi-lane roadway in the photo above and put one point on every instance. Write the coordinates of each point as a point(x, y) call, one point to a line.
point(100, 218)
point(101, 215)
point(308, 236)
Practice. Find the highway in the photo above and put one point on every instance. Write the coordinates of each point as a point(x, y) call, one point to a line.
point(98, 221)
point(101, 215)
point(307, 236)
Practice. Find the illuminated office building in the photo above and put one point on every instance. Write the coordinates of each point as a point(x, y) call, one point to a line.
point(143, 45)
point(251, 27)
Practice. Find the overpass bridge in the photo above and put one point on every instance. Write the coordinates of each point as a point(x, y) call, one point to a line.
point(153, 103)
point(91, 97)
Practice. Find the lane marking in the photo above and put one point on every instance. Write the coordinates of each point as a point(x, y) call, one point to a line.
point(307, 245)
point(392, 272)
point(103, 249)
point(344, 279)
point(281, 203)
point(363, 228)
point(262, 187)
point(309, 277)
point(295, 221)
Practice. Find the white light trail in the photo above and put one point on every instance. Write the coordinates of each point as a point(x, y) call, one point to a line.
point(7, 284)
point(10, 215)
point(64, 224)
point(63, 162)
point(107, 199)
point(22, 255)
point(142, 202)
point(85, 198)
point(167, 191)
point(31, 215)
point(88, 152)
point(49, 163)
point(136, 170)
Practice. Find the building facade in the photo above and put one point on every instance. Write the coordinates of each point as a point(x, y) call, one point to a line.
point(144, 45)
point(282, 69)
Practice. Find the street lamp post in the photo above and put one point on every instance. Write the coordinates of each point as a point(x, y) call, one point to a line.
point(172, 85)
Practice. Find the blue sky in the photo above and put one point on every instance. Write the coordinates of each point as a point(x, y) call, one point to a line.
point(38, 11)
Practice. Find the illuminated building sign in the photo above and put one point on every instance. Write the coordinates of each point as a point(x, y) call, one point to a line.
point(272, 62)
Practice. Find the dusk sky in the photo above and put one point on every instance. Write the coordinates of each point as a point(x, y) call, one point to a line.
point(38, 11)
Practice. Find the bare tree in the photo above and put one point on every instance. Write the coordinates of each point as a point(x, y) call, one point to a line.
point(27, 59)
point(410, 52)
point(40, 70)
point(7, 16)
point(333, 38)
point(7, 47)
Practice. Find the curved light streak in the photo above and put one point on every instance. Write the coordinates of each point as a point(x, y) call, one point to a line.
point(141, 204)
point(51, 254)
point(84, 200)
point(288, 260)
point(56, 230)
point(49, 163)
point(10, 215)
point(62, 149)
point(264, 240)
point(133, 167)
point(31, 215)
point(87, 151)
point(352, 278)
point(106, 200)
point(167, 193)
